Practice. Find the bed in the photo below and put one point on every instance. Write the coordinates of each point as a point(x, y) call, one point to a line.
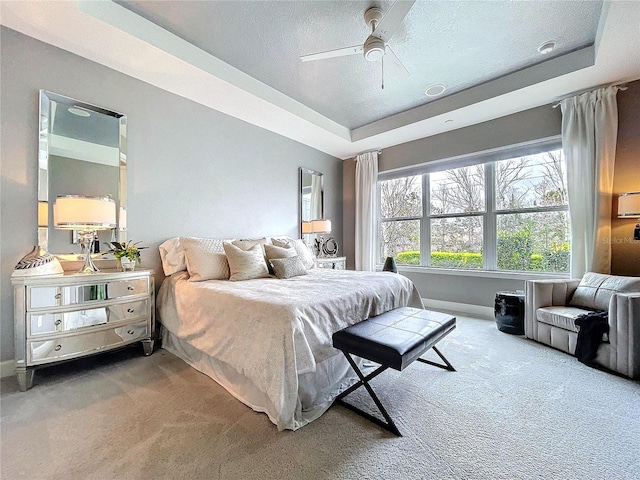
point(268, 340)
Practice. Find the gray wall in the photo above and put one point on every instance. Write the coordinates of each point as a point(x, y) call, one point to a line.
point(625, 252)
point(530, 125)
point(191, 170)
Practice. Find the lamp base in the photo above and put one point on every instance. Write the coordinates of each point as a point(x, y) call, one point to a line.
point(86, 240)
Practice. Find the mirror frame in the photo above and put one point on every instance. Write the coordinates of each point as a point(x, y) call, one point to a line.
point(45, 204)
point(307, 171)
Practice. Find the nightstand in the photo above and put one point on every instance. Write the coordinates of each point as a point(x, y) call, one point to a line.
point(335, 263)
point(63, 317)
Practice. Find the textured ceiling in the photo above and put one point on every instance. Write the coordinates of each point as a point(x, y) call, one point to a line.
point(459, 44)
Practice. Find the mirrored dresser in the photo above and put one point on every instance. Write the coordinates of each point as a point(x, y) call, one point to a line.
point(63, 317)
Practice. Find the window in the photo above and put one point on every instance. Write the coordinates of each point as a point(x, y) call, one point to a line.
point(508, 214)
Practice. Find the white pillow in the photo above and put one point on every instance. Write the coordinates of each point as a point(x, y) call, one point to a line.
point(246, 244)
point(246, 264)
point(307, 257)
point(204, 259)
point(172, 256)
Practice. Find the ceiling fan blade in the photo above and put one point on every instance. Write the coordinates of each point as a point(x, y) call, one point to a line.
point(340, 52)
point(392, 19)
point(394, 65)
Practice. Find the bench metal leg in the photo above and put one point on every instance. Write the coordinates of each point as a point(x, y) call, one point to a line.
point(364, 381)
point(447, 365)
point(389, 425)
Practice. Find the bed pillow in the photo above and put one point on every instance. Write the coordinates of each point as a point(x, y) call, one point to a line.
point(308, 259)
point(204, 259)
point(172, 256)
point(246, 244)
point(273, 252)
point(288, 267)
point(245, 264)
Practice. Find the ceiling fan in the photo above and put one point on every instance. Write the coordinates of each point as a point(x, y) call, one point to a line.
point(375, 47)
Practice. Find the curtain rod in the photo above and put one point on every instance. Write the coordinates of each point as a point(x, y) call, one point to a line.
point(621, 86)
point(378, 151)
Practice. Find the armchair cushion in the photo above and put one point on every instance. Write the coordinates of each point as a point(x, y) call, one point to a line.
point(595, 290)
point(563, 317)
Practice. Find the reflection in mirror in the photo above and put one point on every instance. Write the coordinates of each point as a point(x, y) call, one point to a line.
point(311, 197)
point(82, 151)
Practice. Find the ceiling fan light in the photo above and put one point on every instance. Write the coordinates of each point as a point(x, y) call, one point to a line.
point(373, 49)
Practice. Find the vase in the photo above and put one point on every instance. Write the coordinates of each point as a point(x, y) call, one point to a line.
point(127, 265)
point(390, 265)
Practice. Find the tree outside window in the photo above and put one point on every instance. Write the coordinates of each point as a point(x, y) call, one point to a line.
point(528, 207)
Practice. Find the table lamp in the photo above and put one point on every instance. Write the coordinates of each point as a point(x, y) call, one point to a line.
point(86, 215)
point(320, 227)
point(629, 207)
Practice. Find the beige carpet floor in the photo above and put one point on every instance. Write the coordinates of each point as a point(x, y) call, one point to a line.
point(513, 410)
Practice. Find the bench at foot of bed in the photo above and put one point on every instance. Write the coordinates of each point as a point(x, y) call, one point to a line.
point(395, 340)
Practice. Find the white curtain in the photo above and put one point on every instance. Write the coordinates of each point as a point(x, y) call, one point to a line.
point(366, 212)
point(589, 132)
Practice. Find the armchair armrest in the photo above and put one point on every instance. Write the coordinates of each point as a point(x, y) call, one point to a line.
point(545, 293)
point(624, 333)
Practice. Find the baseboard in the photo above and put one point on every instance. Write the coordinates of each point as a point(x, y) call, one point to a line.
point(476, 311)
point(7, 368)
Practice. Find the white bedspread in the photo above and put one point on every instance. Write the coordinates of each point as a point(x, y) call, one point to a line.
point(272, 330)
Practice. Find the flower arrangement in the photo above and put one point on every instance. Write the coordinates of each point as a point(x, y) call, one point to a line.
point(128, 250)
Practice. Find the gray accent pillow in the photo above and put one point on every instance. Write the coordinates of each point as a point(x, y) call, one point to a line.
point(272, 252)
point(595, 289)
point(288, 267)
point(307, 257)
point(246, 264)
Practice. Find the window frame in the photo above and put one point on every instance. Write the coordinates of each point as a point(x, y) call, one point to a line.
point(489, 215)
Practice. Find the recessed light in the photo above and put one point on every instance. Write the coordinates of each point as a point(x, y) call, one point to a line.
point(547, 47)
point(81, 112)
point(435, 90)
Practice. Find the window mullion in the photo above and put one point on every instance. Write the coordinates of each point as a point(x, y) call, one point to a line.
point(425, 223)
point(490, 221)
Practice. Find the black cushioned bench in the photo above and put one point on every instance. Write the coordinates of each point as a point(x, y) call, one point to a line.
point(394, 339)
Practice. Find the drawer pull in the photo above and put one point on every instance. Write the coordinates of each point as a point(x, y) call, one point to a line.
point(130, 288)
point(58, 296)
point(130, 332)
point(57, 322)
point(57, 348)
point(130, 310)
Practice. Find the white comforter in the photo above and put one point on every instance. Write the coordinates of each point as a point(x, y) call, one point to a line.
point(272, 330)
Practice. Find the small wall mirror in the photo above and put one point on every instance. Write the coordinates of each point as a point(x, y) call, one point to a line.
point(311, 196)
point(82, 151)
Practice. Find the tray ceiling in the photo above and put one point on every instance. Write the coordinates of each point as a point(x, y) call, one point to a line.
point(243, 59)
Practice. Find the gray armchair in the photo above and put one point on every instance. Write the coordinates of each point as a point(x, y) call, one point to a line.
point(552, 306)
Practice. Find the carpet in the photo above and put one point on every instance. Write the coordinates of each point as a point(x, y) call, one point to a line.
point(514, 409)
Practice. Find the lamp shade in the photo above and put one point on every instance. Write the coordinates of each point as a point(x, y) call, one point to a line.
point(629, 205)
point(77, 212)
point(306, 227)
point(321, 226)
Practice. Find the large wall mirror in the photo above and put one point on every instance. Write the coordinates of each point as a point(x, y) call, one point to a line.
point(311, 196)
point(82, 151)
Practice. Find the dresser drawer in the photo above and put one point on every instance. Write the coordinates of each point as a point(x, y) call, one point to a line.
point(44, 351)
point(47, 323)
point(43, 297)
